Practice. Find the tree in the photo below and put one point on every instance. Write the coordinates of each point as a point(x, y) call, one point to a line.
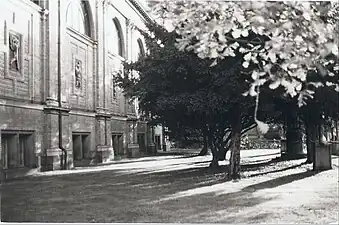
point(300, 35)
point(321, 109)
point(284, 112)
point(180, 90)
point(285, 40)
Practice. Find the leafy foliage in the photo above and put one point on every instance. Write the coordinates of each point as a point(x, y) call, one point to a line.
point(287, 39)
point(181, 91)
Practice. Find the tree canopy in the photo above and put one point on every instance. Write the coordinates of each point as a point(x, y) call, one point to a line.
point(184, 93)
point(299, 37)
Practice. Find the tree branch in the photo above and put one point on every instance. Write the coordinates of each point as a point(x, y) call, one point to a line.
point(244, 41)
point(248, 128)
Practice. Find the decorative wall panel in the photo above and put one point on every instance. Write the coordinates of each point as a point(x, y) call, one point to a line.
point(17, 53)
point(80, 73)
point(114, 66)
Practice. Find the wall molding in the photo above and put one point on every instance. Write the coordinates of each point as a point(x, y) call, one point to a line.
point(23, 105)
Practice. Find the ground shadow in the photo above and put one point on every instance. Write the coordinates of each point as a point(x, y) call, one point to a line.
point(187, 153)
point(259, 164)
point(280, 181)
point(212, 208)
point(54, 198)
point(136, 160)
point(253, 156)
point(118, 195)
point(276, 170)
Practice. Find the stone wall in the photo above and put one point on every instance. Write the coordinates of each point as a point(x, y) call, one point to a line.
point(84, 124)
point(20, 67)
point(23, 118)
point(31, 45)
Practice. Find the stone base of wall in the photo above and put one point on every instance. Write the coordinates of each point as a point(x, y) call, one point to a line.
point(69, 159)
point(151, 149)
point(133, 151)
point(323, 158)
point(84, 162)
point(52, 160)
point(335, 148)
point(16, 173)
point(103, 154)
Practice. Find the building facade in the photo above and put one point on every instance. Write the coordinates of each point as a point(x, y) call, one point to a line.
point(59, 104)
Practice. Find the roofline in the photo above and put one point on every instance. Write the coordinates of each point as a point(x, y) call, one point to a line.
point(142, 10)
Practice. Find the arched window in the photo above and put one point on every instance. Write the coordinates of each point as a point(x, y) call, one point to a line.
point(138, 50)
point(77, 17)
point(141, 48)
point(120, 37)
point(115, 38)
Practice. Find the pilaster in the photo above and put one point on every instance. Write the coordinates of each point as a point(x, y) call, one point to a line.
point(100, 54)
point(52, 156)
point(104, 150)
point(151, 148)
point(133, 146)
point(51, 70)
point(44, 49)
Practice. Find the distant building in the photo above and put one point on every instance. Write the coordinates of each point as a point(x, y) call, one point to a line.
point(58, 59)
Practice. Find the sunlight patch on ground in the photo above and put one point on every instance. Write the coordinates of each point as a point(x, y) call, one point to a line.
point(159, 163)
point(198, 191)
point(288, 193)
point(178, 190)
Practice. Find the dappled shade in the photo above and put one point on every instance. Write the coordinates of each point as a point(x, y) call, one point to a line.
point(172, 189)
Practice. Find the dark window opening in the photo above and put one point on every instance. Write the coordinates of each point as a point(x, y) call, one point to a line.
point(114, 88)
point(81, 146)
point(141, 49)
point(18, 150)
point(142, 142)
point(157, 142)
point(120, 37)
point(118, 146)
point(78, 17)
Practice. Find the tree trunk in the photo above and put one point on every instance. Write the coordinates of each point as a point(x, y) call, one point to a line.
point(311, 136)
point(293, 137)
point(234, 166)
point(225, 145)
point(223, 151)
point(336, 131)
point(204, 149)
point(308, 143)
point(214, 151)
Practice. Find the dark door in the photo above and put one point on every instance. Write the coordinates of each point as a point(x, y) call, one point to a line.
point(157, 142)
point(81, 146)
point(141, 142)
point(11, 156)
point(77, 149)
point(117, 140)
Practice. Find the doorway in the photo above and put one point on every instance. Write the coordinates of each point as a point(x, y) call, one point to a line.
point(17, 150)
point(141, 142)
point(158, 142)
point(81, 146)
point(118, 145)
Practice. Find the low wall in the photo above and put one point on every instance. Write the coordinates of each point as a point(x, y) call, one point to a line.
point(335, 148)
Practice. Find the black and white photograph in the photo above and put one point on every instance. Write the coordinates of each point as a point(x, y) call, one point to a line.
point(169, 111)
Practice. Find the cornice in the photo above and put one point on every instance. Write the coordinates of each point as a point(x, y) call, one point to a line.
point(142, 11)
